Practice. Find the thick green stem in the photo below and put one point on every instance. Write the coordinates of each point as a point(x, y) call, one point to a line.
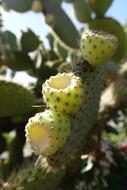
point(67, 161)
point(83, 121)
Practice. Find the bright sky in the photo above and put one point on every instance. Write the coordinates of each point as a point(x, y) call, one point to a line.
point(16, 22)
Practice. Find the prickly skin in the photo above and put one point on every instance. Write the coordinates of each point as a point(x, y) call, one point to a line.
point(63, 92)
point(47, 131)
point(98, 47)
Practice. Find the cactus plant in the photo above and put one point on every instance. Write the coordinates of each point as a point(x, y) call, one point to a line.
point(80, 126)
point(20, 6)
point(82, 10)
point(100, 7)
point(36, 177)
point(83, 121)
point(14, 96)
point(55, 18)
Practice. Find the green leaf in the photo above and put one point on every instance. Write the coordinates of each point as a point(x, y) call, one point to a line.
point(29, 41)
point(10, 39)
point(19, 5)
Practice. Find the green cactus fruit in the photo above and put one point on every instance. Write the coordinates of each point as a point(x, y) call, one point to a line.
point(36, 6)
point(15, 99)
point(97, 46)
point(63, 92)
point(112, 26)
point(46, 132)
point(82, 10)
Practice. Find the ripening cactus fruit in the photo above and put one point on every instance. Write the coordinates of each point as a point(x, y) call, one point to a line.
point(46, 132)
point(63, 92)
point(97, 46)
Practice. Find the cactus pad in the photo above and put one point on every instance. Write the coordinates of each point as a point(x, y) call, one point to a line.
point(83, 121)
point(19, 5)
point(82, 11)
point(63, 92)
point(14, 99)
point(97, 46)
point(31, 177)
point(46, 132)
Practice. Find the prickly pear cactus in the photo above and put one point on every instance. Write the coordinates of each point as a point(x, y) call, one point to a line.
point(62, 133)
point(82, 10)
point(14, 99)
point(19, 5)
point(55, 17)
point(66, 161)
point(84, 119)
point(35, 178)
point(68, 154)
